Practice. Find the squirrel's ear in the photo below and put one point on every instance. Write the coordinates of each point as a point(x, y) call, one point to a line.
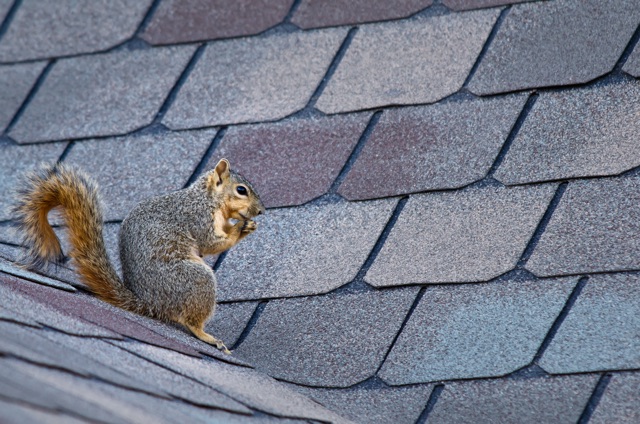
point(220, 174)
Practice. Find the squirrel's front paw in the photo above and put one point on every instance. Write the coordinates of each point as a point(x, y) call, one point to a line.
point(248, 227)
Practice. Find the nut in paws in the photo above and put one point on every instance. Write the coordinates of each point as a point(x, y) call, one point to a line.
point(249, 226)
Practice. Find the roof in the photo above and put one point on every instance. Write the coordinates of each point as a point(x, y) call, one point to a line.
point(452, 188)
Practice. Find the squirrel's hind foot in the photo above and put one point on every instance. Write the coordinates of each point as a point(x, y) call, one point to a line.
point(208, 338)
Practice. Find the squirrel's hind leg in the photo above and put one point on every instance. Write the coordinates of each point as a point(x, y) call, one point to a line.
point(199, 332)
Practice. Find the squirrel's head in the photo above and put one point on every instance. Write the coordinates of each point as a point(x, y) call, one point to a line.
point(239, 198)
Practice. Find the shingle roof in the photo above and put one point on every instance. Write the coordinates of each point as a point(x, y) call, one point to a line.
point(452, 188)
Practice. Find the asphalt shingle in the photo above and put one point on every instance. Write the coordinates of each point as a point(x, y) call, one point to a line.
point(15, 83)
point(33, 346)
point(316, 13)
point(596, 227)
point(230, 320)
point(15, 161)
point(619, 403)
point(244, 385)
point(328, 341)
point(420, 61)
point(632, 65)
point(132, 168)
point(434, 147)
point(251, 80)
point(115, 404)
point(69, 27)
point(12, 253)
point(376, 405)
point(47, 389)
point(477, 4)
point(17, 413)
point(9, 233)
point(465, 236)
point(474, 331)
point(100, 95)
point(526, 401)
point(293, 161)
point(602, 330)
point(156, 379)
point(578, 133)
point(5, 6)
point(303, 250)
point(180, 21)
point(227, 324)
point(90, 309)
point(17, 317)
point(562, 42)
point(9, 254)
point(22, 304)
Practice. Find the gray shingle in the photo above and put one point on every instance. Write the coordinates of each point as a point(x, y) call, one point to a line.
point(434, 147)
point(304, 250)
point(9, 233)
point(254, 79)
point(602, 330)
point(477, 4)
point(465, 236)
point(596, 227)
point(7, 314)
point(13, 269)
point(632, 66)
point(67, 27)
point(375, 405)
point(15, 161)
point(45, 388)
point(156, 379)
point(322, 13)
point(5, 6)
point(555, 43)
point(577, 133)
point(235, 320)
point(11, 254)
point(115, 404)
point(15, 83)
point(33, 346)
point(247, 386)
point(328, 341)
point(100, 95)
point(474, 331)
point(619, 403)
point(180, 21)
point(229, 320)
point(294, 161)
point(169, 412)
point(89, 308)
point(130, 169)
point(526, 401)
point(24, 305)
point(18, 413)
point(407, 62)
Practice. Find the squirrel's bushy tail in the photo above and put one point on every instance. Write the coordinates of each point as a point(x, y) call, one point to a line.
point(62, 186)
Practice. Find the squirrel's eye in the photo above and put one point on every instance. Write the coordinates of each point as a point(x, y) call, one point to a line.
point(242, 190)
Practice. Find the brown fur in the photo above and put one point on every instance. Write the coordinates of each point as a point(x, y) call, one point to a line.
point(161, 241)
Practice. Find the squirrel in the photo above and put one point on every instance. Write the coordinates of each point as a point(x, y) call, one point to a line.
point(162, 240)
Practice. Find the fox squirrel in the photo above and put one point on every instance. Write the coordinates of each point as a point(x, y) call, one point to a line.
point(161, 242)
